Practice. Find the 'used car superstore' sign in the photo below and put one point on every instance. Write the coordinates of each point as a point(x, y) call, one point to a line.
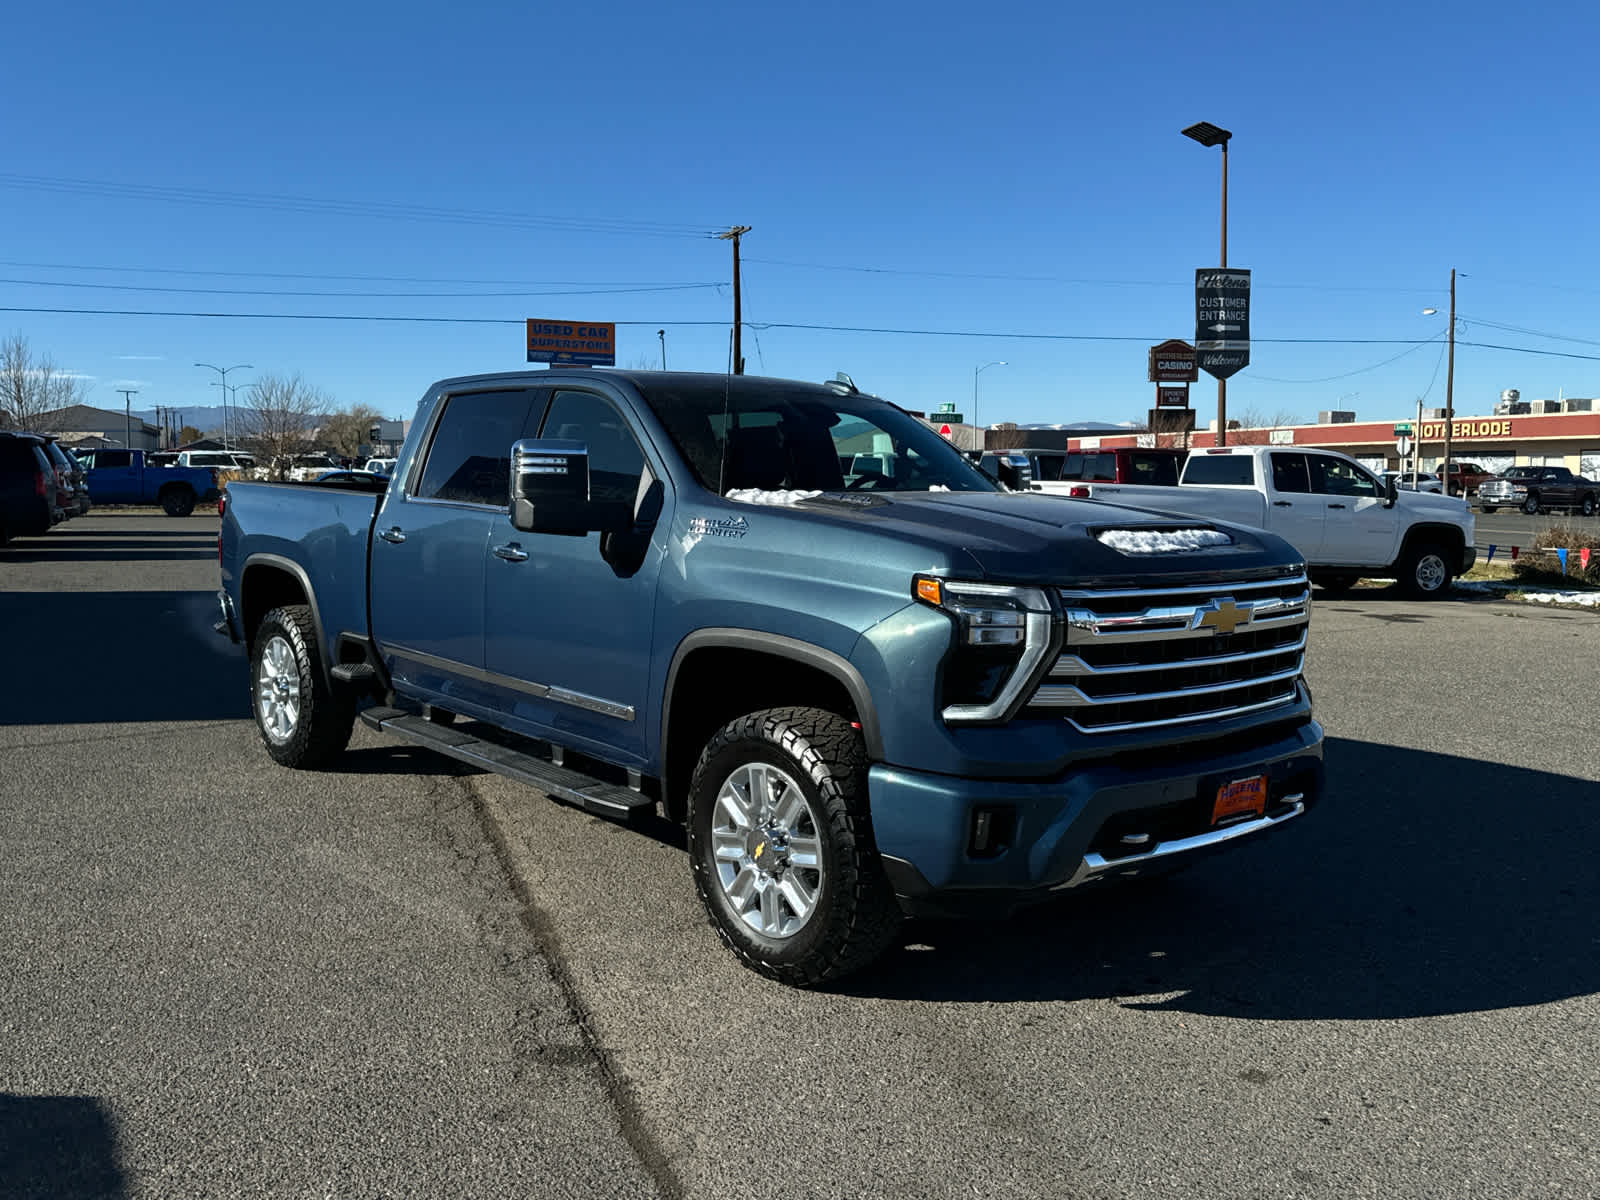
point(573, 343)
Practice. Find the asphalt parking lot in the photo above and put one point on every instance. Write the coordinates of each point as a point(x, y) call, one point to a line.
point(218, 977)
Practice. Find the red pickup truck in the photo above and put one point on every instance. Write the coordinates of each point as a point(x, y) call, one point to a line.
point(1465, 478)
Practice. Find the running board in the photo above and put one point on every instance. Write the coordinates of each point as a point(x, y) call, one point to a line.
point(573, 787)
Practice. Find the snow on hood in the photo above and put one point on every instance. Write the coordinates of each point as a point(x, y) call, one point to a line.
point(1161, 541)
point(762, 496)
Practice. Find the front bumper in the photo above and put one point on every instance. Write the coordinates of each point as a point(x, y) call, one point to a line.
point(1103, 820)
point(1469, 555)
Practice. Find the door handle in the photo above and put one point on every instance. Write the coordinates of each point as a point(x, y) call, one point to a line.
point(1283, 504)
point(511, 552)
point(392, 535)
point(1335, 506)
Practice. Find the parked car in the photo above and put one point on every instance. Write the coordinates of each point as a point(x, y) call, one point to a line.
point(126, 477)
point(906, 691)
point(28, 503)
point(1343, 519)
point(379, 466)
point(304, 468)
point(1056, 470)
point(226, 460)
point(1413, 482)
point(1467, 477)
point(1539, 489)
point(74, 478)
point(362, 479)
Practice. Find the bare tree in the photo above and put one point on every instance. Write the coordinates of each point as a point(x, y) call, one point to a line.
point(30, 387)
point(1253, 428)
point(348, 431)
point(280, 416)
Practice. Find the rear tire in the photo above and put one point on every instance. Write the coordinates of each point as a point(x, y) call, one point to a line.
point(177, 502)
point(1425, 572)
point(781, 845)
point(303, 723)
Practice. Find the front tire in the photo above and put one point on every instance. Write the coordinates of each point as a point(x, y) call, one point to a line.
point(177, 502)
point(1531, 504)
point(1588, 505)
point(1425, 571)
point(303, 723)
point(781, 845)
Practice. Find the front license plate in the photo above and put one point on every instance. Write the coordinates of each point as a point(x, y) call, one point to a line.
point(1241, 798)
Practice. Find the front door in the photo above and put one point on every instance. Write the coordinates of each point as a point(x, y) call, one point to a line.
point(569, 620)
point(1361, 529)
point(430, 544)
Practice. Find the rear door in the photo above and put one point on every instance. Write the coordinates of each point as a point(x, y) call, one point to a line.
point(115, 478)
point(1294, 512)
point(1361, 529)
point(430, 543)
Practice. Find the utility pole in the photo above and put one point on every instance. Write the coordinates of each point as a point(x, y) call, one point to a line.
point(1449, 390)
point(662, 334)
point(733, 235)
point(127, 414)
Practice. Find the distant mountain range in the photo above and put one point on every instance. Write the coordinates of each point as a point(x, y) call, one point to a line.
point(203, 419)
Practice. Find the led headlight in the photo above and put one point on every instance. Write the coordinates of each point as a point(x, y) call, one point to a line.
point(1002, 634)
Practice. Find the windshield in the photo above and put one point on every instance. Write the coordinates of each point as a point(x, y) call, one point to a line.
point(738, 433)
point(1523, 472)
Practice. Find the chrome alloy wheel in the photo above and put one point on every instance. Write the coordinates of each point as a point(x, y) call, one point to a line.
point(278, 690)
point(768, 850)
point(1430, 573)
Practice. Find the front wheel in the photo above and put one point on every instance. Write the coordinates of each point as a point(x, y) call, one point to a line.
point(781, 845)
point(1588, 505)
point(177, 502)
point(1425, 571)
point(1531, 504)
point(303, 723)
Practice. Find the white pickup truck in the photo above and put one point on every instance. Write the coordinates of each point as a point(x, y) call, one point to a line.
point(1346, 521)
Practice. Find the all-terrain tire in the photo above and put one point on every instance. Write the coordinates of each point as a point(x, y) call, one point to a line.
point(853, 916)
point(177, 501)
point(303, 723)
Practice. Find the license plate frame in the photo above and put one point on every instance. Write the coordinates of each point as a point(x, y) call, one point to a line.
point(1239, 799)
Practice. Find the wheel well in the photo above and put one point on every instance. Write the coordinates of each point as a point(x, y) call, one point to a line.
point(263, 589)
point(1447, 536)
point(714, 685)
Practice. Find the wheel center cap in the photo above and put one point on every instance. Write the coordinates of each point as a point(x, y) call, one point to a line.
point(767, 849)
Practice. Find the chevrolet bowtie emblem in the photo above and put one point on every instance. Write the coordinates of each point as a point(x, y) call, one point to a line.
point(1223, 616)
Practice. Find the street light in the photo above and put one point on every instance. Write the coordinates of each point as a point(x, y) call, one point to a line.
point(662, 334)
point(976, 371)
point(1209, 135)
point(223, 371)
point(1449, 389)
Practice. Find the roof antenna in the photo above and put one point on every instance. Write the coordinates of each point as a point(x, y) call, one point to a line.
point(727, 432)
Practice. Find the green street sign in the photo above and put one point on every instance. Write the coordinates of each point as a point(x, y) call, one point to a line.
point(1402, 429)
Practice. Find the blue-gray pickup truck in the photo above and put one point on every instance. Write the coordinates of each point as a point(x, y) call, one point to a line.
point(867, 677)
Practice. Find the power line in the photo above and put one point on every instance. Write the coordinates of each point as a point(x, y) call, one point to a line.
point(1358, 370)
point(37, 266)
point(134, 287)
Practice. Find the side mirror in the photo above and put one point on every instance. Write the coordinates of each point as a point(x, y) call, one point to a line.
point(550, 487)
point(1391, 491)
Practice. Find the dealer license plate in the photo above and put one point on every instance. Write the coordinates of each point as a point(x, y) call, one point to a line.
point(1241, 798)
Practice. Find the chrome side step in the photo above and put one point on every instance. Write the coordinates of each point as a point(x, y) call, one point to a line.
point(565, 784)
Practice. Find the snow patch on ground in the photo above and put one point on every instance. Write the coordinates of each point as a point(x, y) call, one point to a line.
point(1162, 541)
point(1532, 595)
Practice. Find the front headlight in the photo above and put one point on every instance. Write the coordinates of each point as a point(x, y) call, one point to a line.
point(1002, 635)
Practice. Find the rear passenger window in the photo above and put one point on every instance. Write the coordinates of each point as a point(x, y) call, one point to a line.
point(112, 458)
point(469, 460)
point(1226, 470)
point(1100, 467)
point(1289, 473)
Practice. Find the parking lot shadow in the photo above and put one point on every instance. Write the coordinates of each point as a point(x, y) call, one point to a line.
point(58, 1148)
point(1424, 884)
point(85, 657)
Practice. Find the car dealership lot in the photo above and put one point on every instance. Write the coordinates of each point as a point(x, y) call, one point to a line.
point(400, 979)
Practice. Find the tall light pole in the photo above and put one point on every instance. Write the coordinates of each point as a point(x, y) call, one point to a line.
point(976, 371)
point(662, 334)
point(1208, 135)
point(1449, 389)
point(223, 371)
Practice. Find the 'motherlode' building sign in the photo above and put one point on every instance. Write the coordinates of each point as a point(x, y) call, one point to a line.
point(573, 343)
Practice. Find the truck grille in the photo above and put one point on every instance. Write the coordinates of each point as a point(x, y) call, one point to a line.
point(1141, 659)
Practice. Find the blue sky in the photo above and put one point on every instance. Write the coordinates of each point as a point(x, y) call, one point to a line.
point(979, 171)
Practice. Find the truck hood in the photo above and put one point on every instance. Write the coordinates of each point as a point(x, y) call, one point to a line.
point(1022, 537)
point(1434, 506)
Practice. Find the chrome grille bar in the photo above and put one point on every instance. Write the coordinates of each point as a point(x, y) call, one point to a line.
point(1232, 588)
point(1070, 664)
point(1064, 695)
